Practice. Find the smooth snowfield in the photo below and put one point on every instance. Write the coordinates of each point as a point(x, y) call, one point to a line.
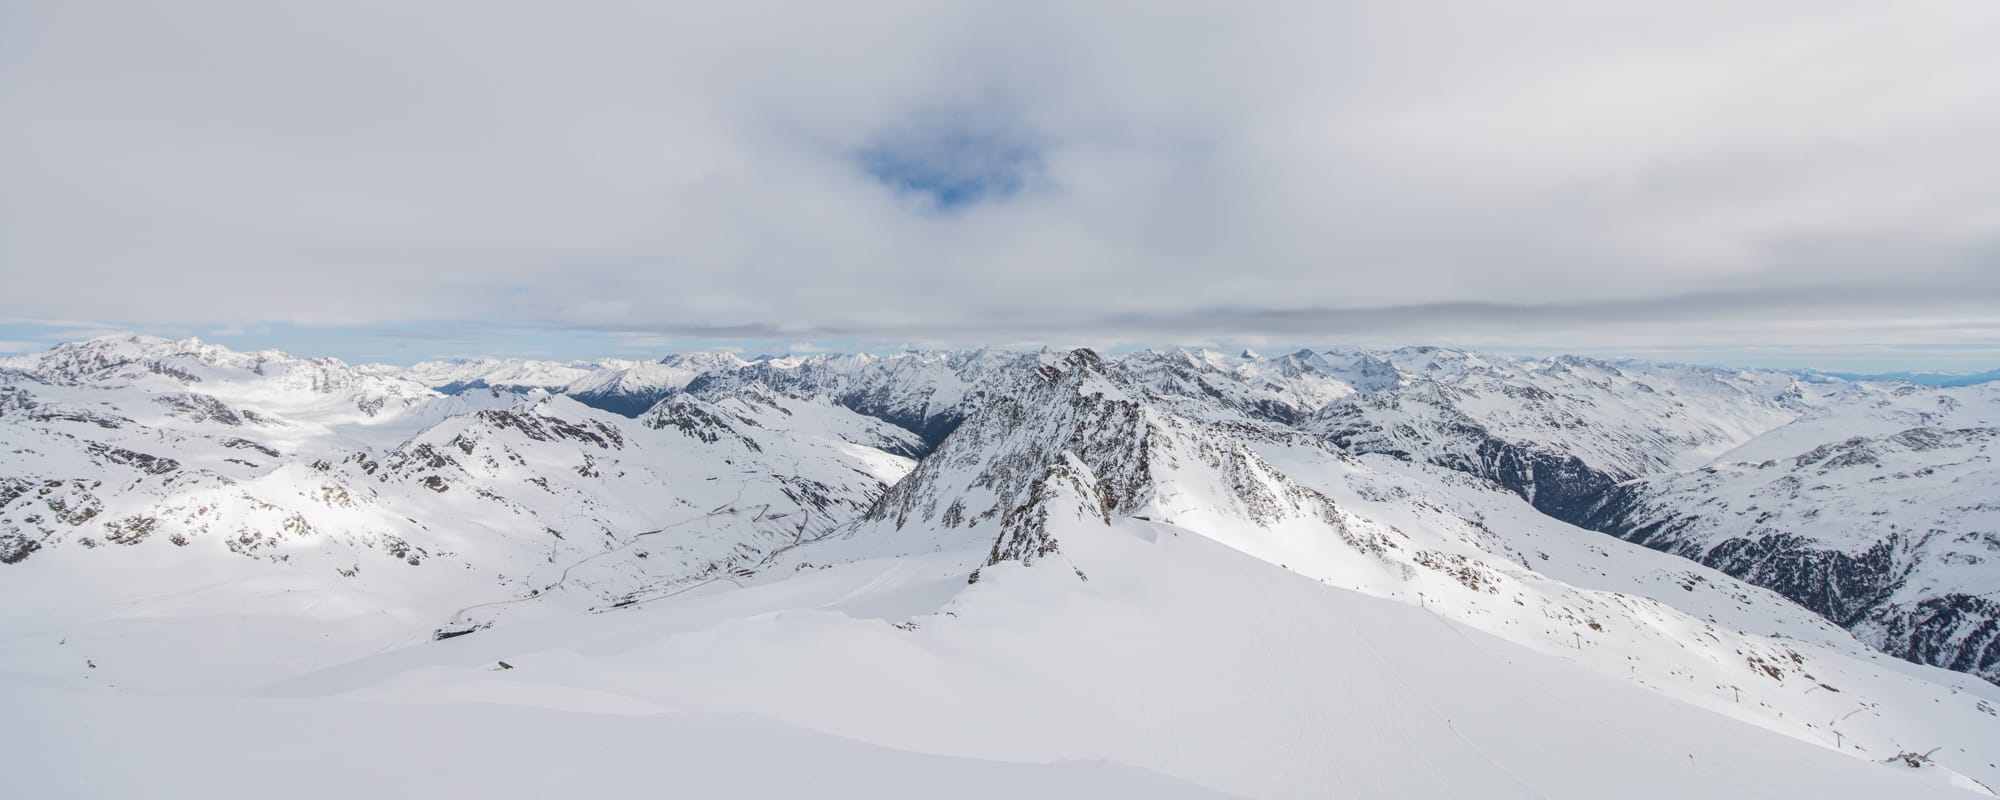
point(258, 749)
point(1178, 656)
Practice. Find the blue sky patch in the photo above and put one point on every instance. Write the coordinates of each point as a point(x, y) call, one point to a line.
point(953, 163)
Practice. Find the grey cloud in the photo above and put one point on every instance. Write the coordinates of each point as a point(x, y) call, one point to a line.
point(1198, 170)
point(1837, 316)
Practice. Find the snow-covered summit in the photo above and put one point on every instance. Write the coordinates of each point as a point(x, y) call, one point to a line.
point(1179, 560)
point(508, 374)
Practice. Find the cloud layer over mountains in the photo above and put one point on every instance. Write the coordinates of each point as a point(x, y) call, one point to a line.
point(1786, 172)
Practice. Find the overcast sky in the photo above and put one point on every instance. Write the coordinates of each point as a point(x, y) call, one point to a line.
point(1725, 181)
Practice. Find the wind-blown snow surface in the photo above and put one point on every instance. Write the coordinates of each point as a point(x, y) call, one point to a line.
point(1143, 577)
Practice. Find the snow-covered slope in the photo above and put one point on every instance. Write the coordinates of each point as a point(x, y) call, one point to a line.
point(927, 393)
point(1155, 575)
point(1085, 448)
point(391, 517)
point(505, 374)
point(621, 386)
point(1170, 594)
point(193, 373)
point(1893, 556)
point(1283, 390)
point(488, 737)
point(1878, 513)
point(632, 389)
point(1179, 656)
point(1561, 430)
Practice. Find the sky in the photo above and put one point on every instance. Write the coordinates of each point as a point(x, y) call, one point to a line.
point(1782, 183)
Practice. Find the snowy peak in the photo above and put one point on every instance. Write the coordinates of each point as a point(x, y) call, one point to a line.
point(927, 393)
point(187, 361)
point(1086, 442)
point(1363, 370)
point(630, 390)
point(512, 374)
point(658, 377)
point(981, 475)
point(1887, 533)
point(623, 387)
point(1282, 391)
point(1086, 455)
point(1558, 431)
point(1173, 517)
point(106, 356)
point(213, 376)
point(704, 361)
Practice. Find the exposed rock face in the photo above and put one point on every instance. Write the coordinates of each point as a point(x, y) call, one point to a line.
point(110, 453)
point(1879, 533)
point(1880, 520)
point(1553, 481)
point(1955, 631)
point(1894, 537)
point(1074, 424)
point(928, 394)
point(1284, 390)
point(1084, 442)
point(1557, 432)
point(1083, 451)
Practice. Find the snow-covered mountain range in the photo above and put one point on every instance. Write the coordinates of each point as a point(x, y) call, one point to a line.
point(1166, 573)
point(1880, 514)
